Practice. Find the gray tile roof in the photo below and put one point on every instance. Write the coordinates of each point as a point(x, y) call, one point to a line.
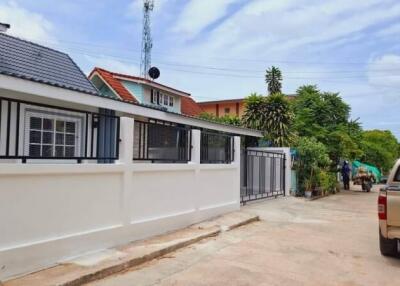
point(27, 60)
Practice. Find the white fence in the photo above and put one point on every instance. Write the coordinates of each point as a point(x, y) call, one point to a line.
point(52, 212)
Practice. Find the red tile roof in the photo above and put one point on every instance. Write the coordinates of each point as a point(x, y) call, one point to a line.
point(190, 107)
point(115, 84)
point(141, 79)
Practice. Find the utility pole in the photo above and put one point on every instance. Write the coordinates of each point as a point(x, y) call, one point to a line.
point(147, 41)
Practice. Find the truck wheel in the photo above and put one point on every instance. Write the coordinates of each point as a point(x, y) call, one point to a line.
point(388, 247)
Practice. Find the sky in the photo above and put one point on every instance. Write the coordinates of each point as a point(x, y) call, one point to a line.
point(220, 49)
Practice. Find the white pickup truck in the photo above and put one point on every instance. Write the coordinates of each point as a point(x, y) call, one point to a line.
point(389, 214)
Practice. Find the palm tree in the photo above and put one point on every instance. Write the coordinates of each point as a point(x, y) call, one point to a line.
point(272, 115)
point(253, 116)
point(278, 119)
point(273, 78)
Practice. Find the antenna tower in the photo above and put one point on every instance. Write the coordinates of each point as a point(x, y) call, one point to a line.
point(147, 41)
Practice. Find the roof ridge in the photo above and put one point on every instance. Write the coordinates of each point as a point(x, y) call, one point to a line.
point(82, 73)
point(32, 43)
point(109, 78)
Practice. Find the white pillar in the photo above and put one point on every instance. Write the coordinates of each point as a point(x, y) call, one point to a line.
point(196, 147)
point(127, 127)
point(236, 145)
point(126, 140)
point(236, 161)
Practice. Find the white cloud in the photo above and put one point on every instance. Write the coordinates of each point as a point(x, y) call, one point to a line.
point(271, 27)
point(384, 71)
point(26, 24)
point(390, 31)
point(112, 65)
point(198, 14)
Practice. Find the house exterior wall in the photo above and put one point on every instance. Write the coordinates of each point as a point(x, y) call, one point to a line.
point(102, 87)
point(135, 89)
point(177, 100)
point(219, 109)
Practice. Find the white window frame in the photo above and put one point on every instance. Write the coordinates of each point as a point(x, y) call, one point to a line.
point(166, 100)
point(54, 115)
point(161, 99)
point(171, 101)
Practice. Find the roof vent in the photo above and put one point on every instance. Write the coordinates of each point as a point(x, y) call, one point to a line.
point(4, 27)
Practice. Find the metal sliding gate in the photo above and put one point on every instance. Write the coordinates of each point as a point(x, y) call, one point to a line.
point(262, 175)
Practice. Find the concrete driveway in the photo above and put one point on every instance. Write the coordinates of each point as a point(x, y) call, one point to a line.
point(330, 241)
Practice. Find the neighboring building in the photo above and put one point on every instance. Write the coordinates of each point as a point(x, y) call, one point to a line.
point(219, 108)
point(232, 107)
point(143, 91)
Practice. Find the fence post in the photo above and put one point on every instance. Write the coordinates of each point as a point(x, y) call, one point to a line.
point(236, 161)
point(236, 148)
point(125, 158)
point(126, 140)
point(196, 147)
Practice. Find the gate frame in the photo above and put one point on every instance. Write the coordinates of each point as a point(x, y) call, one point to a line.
point(283, 151)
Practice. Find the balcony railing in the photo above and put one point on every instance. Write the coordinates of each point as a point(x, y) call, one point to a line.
point(32, 131)
point(216, 148)
point(161, 142)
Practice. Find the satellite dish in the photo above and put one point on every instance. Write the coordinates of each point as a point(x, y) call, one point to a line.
point(154, 72)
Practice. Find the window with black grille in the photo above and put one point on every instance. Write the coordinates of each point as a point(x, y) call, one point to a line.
point(216, 148)
point(161, 142)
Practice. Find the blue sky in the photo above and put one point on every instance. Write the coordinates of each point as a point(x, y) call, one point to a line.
point(220, 49)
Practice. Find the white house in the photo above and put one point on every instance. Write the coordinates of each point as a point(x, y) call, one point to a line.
point(83, 170)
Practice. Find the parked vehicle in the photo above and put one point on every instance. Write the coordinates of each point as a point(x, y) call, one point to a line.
point(389, 214)
point(360, 170)
point(366, 185)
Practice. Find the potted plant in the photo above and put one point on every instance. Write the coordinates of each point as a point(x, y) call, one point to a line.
point(313, 158)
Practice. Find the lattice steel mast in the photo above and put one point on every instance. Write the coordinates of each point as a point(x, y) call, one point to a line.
point(147, 41)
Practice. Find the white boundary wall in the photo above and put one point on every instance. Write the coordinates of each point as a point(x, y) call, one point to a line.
point(52, 212)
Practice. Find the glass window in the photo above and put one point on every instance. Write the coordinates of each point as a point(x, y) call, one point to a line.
point(160, 101)
point(227, 110)
point(152, 96)
point(166, 99)
point(171, 101)
point(50, 136)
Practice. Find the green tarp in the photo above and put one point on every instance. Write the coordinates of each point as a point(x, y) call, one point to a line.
point(373, 169)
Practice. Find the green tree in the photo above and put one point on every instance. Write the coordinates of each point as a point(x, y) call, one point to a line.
point(317, 114)
point(273, 78)
point(254, 116)
point(313, 158)
point(325, 116)
point(272, 115)
point(380, 148)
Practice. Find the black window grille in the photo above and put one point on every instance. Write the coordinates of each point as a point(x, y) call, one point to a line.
point(30, 131)
point(216, 148)
point(161, 142)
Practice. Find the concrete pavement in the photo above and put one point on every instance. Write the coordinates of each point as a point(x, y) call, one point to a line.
point(330, 241)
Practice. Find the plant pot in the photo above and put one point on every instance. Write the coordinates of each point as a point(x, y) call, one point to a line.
point(308, 194)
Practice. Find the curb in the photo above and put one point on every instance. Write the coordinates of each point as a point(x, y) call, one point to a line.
point(114, 269)
point(247, 221)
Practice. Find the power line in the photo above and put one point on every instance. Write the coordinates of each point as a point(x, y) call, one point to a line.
point(236, 75)
point(86, 44)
